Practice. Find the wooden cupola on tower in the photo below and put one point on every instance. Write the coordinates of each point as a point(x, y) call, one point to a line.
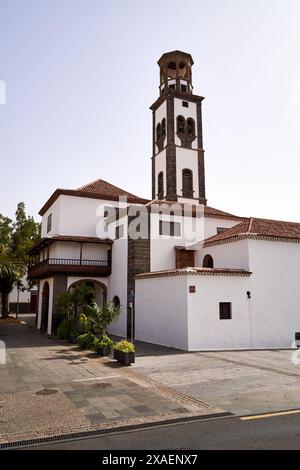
point(178, 156)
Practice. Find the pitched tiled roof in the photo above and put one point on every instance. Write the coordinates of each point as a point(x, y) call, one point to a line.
point(79, 238)
point(103, 187)
point(194, 271)
point(217, 214)
point(98, 189)
point(210, 212)
point(259, 229)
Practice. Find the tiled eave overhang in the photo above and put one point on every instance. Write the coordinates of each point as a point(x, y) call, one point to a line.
point(76, 193)
point(194, 272)
point(250, 236)
point(176, 94)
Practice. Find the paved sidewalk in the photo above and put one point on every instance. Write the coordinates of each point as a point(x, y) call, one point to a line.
point(241, 382)
point(50, 387)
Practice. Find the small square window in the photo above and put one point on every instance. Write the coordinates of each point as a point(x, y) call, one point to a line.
point(221, 229)
point(185, 104)
point(172, 86)
point(171, 229)
point(49, 223)
point(225, 310)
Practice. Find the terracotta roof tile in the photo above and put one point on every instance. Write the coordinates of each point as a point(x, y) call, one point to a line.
point(103, 187)
point(79, 238)
point(257, 228)
point(98, 189)
point(208, 211)
point(218, 214)
point(194, 271)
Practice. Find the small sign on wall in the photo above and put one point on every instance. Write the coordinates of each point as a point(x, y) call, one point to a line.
point(192, 289)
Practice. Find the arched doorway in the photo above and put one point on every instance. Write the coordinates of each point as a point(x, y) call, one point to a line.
point(208, 261)
point(45, 307)
point(96, 290)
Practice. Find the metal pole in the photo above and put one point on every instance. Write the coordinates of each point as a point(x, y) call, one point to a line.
point(18, 296)
point(131, 308)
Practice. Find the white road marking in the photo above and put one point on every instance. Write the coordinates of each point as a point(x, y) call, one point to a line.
point(97, 378)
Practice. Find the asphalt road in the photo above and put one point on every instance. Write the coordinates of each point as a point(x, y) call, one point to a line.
point(276, 432)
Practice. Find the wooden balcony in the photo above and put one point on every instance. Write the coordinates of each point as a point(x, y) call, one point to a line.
point(71, 267)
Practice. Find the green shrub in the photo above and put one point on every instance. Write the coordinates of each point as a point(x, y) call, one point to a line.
point(103, 342)
point(87, 340)
point(124, 346)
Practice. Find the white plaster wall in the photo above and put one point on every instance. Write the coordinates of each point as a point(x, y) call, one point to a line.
point(275, 292)
point(162, 248)
point(186, 158)
point(65, 250)
point(117, 284)
point(191, 112)
point(55, 211)
point(160, 165)
point(205, 329)
point(228, 255)
point(73, 215)
point(212, 223)
point(94, 251)
point(71, 250)
point(160, 113)
point(161, 311)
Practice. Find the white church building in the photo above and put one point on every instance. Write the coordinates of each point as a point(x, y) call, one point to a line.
point(201, 278)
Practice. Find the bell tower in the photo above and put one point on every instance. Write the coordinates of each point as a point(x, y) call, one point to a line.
point(177, 156)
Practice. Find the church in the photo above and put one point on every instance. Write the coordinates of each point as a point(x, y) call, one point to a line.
point(186, 275)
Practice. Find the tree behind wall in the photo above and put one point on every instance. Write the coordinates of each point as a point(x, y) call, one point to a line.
point(16, 237)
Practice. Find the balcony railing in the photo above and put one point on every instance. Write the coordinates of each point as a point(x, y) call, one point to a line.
point(70, 266)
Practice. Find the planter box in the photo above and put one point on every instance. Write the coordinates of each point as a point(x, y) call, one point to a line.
point(105, 351)
point(125, 358)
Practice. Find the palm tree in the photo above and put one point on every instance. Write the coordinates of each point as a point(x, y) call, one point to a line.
point(98, 318)
point(70, 303)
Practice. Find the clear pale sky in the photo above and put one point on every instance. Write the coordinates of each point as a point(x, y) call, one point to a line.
point(81, 75)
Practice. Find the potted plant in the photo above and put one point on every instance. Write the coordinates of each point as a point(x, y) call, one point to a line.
point(124, 352)
point(103, 345)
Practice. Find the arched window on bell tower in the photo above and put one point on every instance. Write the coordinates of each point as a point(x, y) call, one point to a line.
point(163, 127)
point(158, 131)
point(187, 183)
point(180, 125)
point(160, 185)
point(190, 126)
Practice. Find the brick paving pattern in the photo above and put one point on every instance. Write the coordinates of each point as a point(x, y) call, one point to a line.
point(50, 387)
